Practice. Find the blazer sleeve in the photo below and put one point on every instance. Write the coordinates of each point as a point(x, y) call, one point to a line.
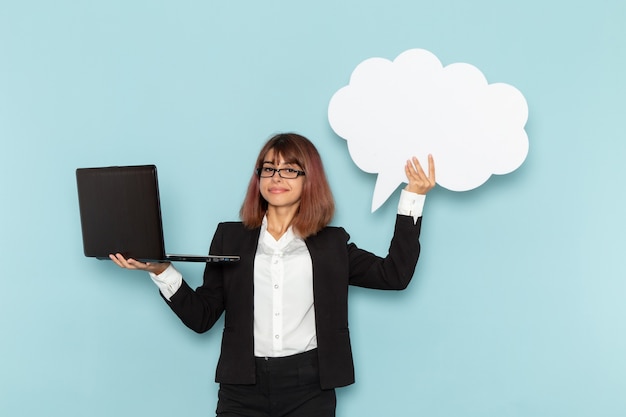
point(201, 308)
point(395, 271)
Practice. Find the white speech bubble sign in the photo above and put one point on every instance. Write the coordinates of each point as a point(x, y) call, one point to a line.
point(414, 106)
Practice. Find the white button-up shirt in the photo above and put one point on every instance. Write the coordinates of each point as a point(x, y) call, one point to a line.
point(284, 314)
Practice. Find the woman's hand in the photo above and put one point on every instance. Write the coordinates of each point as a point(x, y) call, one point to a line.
point(419, 182)
point(130, 263)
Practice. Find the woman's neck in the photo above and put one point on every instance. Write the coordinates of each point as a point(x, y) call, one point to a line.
point(278, 221)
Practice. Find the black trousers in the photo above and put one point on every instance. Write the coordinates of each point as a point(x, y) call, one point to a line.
point(286, 387)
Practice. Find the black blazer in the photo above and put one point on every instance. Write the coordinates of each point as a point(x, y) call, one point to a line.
point(336, 263)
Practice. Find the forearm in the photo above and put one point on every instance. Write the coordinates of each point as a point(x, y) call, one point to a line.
point(198, 310)
point(394, 271)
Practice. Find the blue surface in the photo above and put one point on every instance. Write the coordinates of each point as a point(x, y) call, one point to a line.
point(517, 306)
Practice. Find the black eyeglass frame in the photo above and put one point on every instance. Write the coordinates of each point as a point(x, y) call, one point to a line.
point(259, 171)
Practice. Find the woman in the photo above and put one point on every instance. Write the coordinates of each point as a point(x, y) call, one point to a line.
point(286, 346)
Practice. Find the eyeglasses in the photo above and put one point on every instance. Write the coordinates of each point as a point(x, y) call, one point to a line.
point(287, 173)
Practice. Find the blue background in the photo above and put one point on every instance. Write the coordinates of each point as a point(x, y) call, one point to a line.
point(518, 304)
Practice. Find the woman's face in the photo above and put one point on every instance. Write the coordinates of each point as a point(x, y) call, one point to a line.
point(277, 191)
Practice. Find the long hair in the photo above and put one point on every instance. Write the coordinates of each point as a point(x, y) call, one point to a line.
point(317, 205)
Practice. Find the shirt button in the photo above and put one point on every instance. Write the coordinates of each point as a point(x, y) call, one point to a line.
point(277, 336)
point(276, 286)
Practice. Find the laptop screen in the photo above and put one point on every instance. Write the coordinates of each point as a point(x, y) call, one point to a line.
point(120, 212)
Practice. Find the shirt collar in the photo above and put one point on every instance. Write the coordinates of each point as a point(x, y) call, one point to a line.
point(268, 240)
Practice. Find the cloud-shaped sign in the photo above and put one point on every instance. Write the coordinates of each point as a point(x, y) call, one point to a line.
point(414, 106)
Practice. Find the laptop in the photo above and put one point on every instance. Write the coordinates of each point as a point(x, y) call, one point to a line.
point(120, 212)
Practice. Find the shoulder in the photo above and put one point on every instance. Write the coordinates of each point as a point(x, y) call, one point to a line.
point(234, 228)
point(330, 234)
point(234, 237)
point(231, 225)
